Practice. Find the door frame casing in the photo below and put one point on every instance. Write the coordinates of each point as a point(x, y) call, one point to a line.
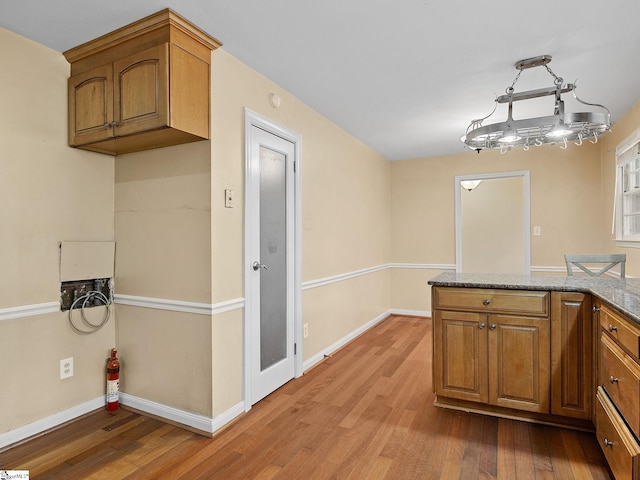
point(253, 119)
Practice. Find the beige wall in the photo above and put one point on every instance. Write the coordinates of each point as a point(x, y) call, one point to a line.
point(345, 210)
point(163, 251)
point(50, 193)
point(565, 202)
point(163, 223)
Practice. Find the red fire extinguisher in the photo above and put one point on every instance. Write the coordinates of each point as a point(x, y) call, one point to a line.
point(113, 381)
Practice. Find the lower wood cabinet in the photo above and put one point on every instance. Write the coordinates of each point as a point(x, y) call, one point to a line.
point(492, 358)
point(563, 358)
point(526, 351)
point(618, 409)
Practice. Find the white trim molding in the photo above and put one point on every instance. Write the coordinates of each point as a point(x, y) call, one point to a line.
point(340, 277)
point(193, 420)
point(424, 266)
point(29, 310)
point(179, 305)
point(410, 313)
point(365, 271)
point(199, 422)
point(47, 423)
point(548, 269)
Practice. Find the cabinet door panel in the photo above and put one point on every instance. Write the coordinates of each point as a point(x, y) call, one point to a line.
point(571, 358)
point(460, 355)
point(519, 350)
point(90, 105)
point(141, 91)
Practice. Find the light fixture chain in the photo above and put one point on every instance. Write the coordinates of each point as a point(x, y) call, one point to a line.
point(515, 80)
point(558, 80)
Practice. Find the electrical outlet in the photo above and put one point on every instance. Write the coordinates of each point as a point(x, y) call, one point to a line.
point(305, 330)
point(66, 368)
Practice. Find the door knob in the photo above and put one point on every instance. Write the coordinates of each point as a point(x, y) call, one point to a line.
point(257, 266)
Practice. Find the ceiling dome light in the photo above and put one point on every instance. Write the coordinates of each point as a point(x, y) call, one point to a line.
point(538, 131)
point(470, 184)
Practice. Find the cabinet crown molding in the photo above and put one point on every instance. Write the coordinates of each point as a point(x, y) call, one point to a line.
point(163, 26)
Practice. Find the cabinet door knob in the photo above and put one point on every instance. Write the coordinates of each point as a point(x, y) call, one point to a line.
point(595, 309)
point(486, 301)
point(492, 326)
point(608, 443)
point(612, 328)
point(613, 379)
point(482, 325)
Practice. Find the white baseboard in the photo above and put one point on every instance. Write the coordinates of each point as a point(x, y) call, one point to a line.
point(318, 357)
point(52, 421)
point(413, 313)
point(199, 422)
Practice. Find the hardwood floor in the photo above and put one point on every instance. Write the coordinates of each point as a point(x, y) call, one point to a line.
point(365, 413)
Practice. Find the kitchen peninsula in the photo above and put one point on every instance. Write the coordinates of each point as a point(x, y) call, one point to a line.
point(557, 350)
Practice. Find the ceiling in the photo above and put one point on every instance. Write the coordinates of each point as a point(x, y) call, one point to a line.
point(404, 76)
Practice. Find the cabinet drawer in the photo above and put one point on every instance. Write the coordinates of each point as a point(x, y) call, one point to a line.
point(625, 333)
point(620, 377)
point(491, 300)
point(616, 441)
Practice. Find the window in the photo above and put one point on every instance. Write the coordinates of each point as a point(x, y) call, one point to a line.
point(627, 201)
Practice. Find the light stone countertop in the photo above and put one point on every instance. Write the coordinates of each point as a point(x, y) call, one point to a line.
point(621, 294)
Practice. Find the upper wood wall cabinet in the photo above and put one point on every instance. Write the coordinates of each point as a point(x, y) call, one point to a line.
point(143, 86)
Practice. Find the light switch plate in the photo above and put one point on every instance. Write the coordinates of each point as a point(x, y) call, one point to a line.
point(228, 198)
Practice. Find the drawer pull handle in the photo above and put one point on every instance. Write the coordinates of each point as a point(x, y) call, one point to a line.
point(613, 379)
point(612, 328)
point(492, 326)
point(482, 325)
point(486, 302)
point(608, 443)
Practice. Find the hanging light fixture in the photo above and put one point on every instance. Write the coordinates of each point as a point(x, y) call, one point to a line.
point(558, 128)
